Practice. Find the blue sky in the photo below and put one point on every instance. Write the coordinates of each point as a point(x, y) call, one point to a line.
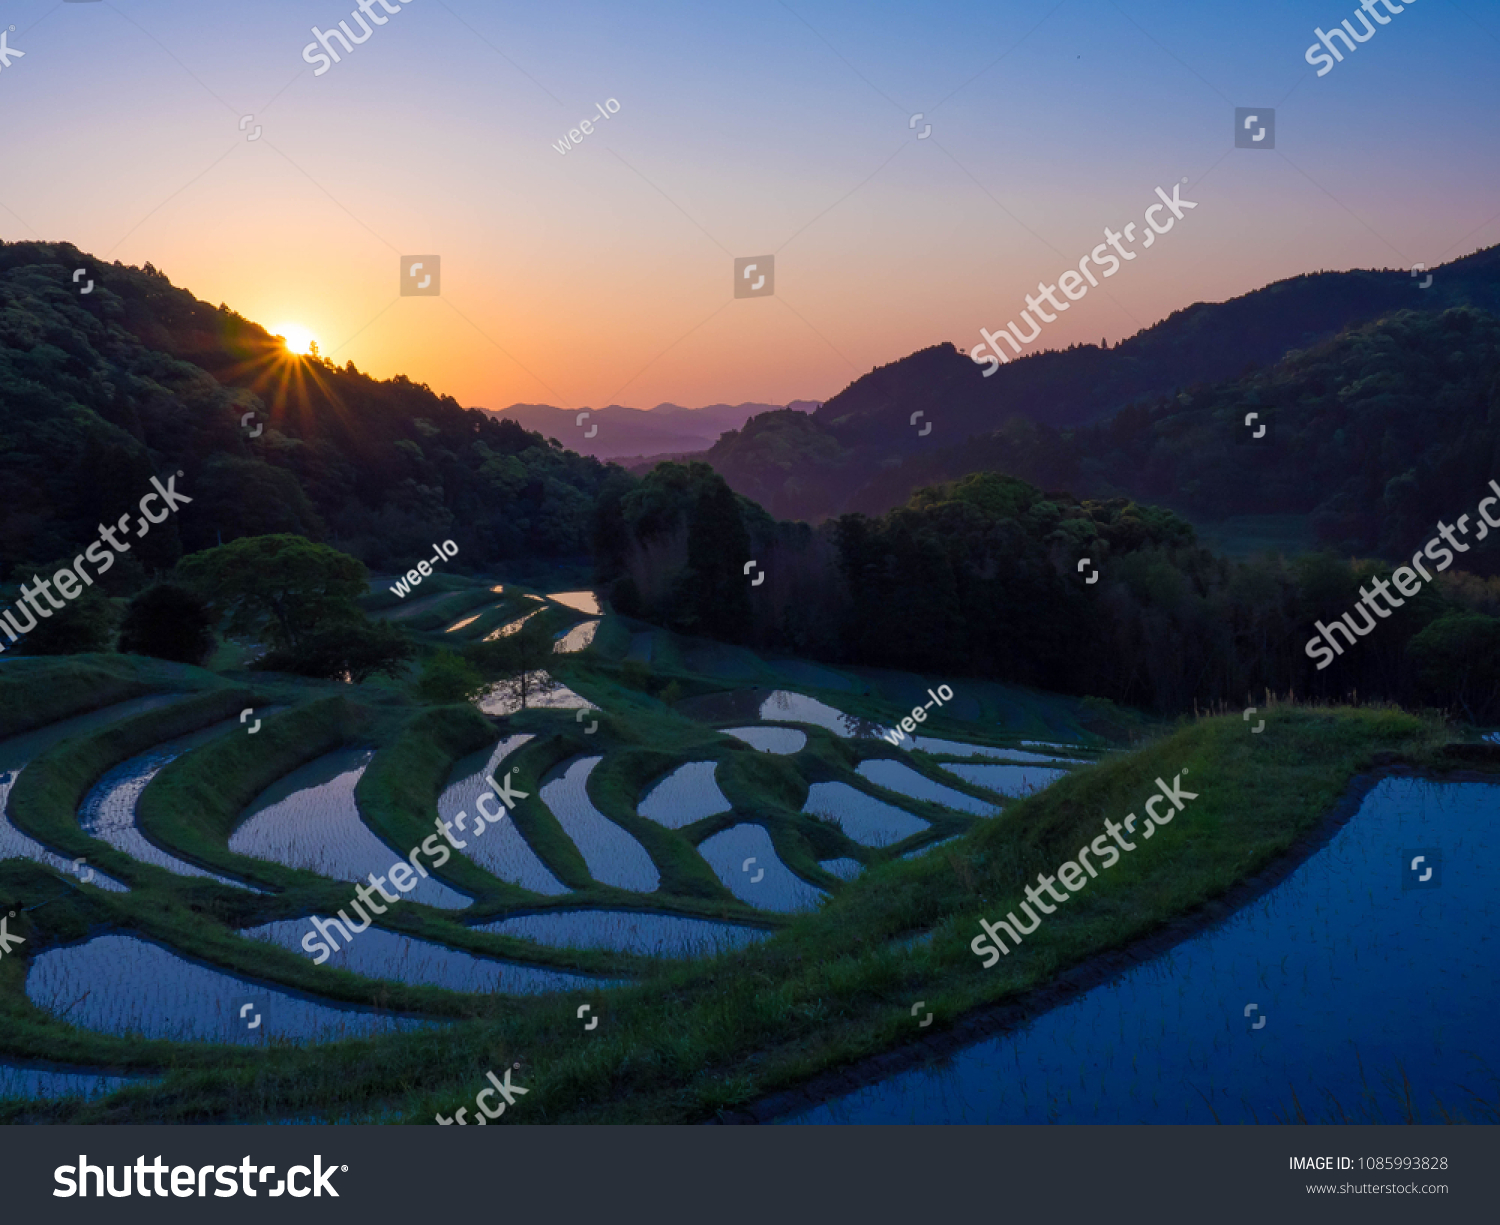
point(744, 129)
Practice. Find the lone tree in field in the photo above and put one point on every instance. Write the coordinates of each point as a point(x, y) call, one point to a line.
point(519, 662)
point(279, 589)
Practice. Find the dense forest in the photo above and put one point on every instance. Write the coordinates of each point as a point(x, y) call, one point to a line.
point(99, 391)
point(989, 576)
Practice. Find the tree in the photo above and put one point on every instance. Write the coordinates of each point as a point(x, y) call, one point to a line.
point(1457, 659)
point(353, 650)
point(713, 592)
point(447, 677)
point(168, 622)
point(83, 626)
point(518, 662)
point(278, 588)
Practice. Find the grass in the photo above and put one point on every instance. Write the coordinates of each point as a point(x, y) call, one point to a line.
point(690, 1039)
point(39, 692)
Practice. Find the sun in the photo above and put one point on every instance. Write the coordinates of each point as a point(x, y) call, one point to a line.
point(298, 339)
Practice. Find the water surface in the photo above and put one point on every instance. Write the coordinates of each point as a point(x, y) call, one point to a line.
point(1346, 968)
point(580, 601)
point(844, 869)
point(628, 931)
point(548, 694)
point(118, 984)
point(19, 1080)
point(686, 795)
point(577, 638)
point(500, 848)
point(612, 856)
point(744, 859)
point(783, 740)
point(310, 820)
point(869, 821)
point(895, 776)
point(1006, 780)
point(20, 751)
point(108, 811)
point(377, 953)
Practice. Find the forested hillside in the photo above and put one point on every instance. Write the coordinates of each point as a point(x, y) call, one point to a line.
point(861, 449)
point(99, 390)
point(1376, 435)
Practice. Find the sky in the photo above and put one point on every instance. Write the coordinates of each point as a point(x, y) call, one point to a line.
point(193, 134)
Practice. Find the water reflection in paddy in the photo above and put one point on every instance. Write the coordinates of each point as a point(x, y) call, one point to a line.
point(376, 953)
point(310, 820)
point(19, 751)
point(869, 821)
point(119, 984)
point(1006, 780)
point(783, 740)
point(686, 795)
point(1357, 980)
point(499, 847)
point(19, 1080)
point(612, 856)
point(628, 931)
point(108, 811)
point(580, 601)
point(501, 699)
point(844, 869)
point(895, 776)
point(577, 638)
point(744, 859)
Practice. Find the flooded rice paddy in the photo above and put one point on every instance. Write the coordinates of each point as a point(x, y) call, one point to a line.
point(744, 859)
point(628, 931)
point(577, 638)
point(686, 795)
point(1348, 975)
point(500, 849)
point(783, 740)
point(1011, 781)
point(20, 751)
point(869, 821)
point(118, 984)
point(310, 820)
point(376, 953)
point(612, 856)
point(895, 776)
point(579, 601)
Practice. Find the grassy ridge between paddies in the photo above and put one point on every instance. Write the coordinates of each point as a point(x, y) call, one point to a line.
point(46, 798)
point(702, 1037)
point(37, 690)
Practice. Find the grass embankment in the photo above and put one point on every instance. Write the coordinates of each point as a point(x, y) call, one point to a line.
point(41, 690)
point(46, 798)
point(715, 1035)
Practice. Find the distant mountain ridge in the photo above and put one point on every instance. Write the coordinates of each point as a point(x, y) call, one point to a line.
point(839, 457)
point(635, 433)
